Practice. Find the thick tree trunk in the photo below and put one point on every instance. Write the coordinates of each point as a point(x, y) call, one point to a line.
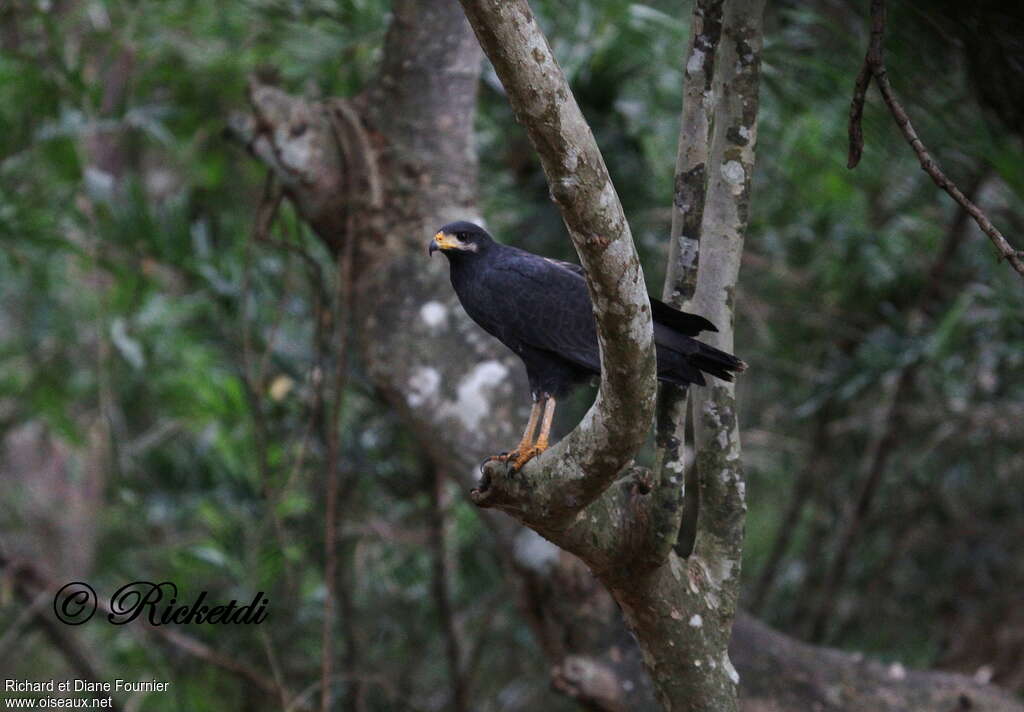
point(399, 162)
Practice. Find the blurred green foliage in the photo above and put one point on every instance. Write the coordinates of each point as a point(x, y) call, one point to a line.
point(133, 300)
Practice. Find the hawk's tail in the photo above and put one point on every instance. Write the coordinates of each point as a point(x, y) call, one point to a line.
point(683, 359)
point(716, 362)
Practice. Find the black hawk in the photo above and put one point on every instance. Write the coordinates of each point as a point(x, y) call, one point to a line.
point(540, 308)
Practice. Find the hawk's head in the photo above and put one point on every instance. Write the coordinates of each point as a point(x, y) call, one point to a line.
point(460, 238)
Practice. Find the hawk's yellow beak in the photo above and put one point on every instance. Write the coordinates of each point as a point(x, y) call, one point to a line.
point(442, 241)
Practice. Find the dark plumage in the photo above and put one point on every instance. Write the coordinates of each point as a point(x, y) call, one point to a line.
point(540, 308)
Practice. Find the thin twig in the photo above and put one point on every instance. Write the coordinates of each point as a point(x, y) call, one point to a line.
point(21, 622)
point(874, 67)
point(342, 322)
point(442, 593)
point(800, 495)
point(74, 652)
point(856, 514)
point(1006, 251)
point(881, 448)
point(383, 682)
point(330, 543)
point(320, 300)
point(254, 370)
point(30, 583)
point(856, 131)
point(275, 668)
point(483, 631)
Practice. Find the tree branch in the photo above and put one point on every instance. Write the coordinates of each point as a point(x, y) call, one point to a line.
point(695, 133)
point(731, 165)
point(666, 502)
point(874, 67)
point(336, 401)
point(551, 492)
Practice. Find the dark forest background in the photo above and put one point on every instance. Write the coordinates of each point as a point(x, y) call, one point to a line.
point(160, 367)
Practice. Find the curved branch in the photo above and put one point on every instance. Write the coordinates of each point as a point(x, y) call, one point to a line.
point(874, 68)
point(586, 462)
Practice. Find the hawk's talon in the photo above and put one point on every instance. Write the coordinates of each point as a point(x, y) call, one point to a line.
point(500, 457)
point(521, 458)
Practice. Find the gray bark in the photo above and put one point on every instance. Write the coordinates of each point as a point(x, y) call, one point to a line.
point(410, 172)
point(689, 196)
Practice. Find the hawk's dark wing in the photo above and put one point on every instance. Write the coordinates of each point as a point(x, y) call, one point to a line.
point(662, 313)
point(542, 304)
point(539, 306)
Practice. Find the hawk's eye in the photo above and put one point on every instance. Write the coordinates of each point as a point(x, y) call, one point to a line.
point(464, 236)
